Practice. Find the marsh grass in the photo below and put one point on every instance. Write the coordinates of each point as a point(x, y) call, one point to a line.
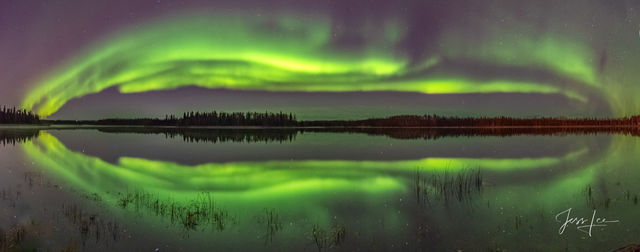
point(518, 222)
point(12, 239)
point(91, 225)
point(194, 214)
point(83, 224)
point(461, 186)
point(332, 237)
point(10, 196)
point(599, 199)
point(495, 247)
point(25, 236)
point(270, 219)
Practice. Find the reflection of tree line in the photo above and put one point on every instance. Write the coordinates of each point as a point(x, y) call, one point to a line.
point(280, 135)
point(14, 136)
point(289, 134)
point(443, 121)
point(214, 135)
point(435, 133)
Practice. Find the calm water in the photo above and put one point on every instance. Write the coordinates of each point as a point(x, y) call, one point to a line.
point(324, 190)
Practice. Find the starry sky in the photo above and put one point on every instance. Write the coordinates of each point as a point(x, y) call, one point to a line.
point(74, 59)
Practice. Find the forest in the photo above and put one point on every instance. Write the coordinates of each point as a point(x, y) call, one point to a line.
point(280, 119)
point(214, 118)
point(480, 122)
point(17, 116)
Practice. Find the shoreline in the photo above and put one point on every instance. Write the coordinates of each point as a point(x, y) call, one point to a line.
point(89, 126)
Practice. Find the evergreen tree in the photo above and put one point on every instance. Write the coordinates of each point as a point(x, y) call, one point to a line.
point(17, 116)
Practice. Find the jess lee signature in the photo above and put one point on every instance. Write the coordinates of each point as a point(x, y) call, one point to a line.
point(584, 225)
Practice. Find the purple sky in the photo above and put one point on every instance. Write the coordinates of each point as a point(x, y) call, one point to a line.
point(36, 37)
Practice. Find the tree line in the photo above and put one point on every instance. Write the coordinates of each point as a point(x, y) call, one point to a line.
point(17, 116)
point(426, 133)
point(488, 122)
point(280, 119)
point(214, 118)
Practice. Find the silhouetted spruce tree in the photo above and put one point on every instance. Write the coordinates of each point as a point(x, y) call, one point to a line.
point(17, 116)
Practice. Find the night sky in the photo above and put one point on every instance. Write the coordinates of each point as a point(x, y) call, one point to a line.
point(321, 59)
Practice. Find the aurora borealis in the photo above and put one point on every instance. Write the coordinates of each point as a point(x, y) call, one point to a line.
point(328, 125)
point(582, 51)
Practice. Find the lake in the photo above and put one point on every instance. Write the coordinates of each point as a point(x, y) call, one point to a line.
point(317, 189)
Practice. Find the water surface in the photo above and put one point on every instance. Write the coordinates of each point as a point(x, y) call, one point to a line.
point(315, 189)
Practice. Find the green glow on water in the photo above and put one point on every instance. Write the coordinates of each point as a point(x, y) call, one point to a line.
point(256, 181)
point(312, 190)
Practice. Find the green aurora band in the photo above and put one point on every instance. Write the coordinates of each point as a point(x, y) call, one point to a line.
point(285, 52)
